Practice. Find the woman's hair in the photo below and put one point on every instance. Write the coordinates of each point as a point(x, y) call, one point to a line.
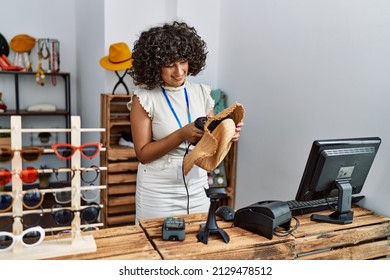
point(161, 46)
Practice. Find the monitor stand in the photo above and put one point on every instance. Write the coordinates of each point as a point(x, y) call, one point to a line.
point(343, 214)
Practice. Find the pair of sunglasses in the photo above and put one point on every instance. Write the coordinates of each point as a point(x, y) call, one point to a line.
point(28, 175)
point(65, 151)
point(31, 199)
point(29, 237)
point(65, 197)
point(28, 220)
point(64, 217)
point(88, 175)
point(28, 154)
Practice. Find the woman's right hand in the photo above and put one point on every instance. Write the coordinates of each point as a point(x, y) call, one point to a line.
point(191, 133)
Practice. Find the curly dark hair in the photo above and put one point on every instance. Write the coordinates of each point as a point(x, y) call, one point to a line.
point(161, 46)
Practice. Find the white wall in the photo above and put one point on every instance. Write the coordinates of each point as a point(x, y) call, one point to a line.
point(126, 19)
point(90, 75)
point(305, 70)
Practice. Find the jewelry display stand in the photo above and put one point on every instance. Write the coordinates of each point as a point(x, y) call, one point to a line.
point(55, 247)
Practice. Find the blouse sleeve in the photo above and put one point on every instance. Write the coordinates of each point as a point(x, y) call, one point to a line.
point(144, 100)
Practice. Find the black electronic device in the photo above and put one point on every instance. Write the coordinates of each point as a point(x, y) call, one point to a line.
point(263, 217)
point(225, 212)
point(174, 229)
point(200, 122)
point(215, 194)
point(337, 168)
point(298, 208)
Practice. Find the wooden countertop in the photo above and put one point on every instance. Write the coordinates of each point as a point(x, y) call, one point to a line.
point(118, 243)
point(367, 237)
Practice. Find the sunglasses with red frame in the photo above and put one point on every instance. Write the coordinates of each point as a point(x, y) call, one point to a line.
point(28, 175)
point(65, 151)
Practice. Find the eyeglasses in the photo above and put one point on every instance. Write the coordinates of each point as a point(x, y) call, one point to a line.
point(64, 217)
point(62, 175)
point(28, 175)
point(30, 237)
point(65, 151)
point(65, 197)
point(88, 175)
point(28, 220)
point(27, 154)
point(31, 199)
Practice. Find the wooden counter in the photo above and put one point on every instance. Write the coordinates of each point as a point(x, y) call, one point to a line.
point(368, 237)
point(123, 243)
point(243, 244)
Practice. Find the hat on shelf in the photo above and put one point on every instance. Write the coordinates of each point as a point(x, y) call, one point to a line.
point(118, 58)
point(4, 48)
point(22, 43)
point(215, 142)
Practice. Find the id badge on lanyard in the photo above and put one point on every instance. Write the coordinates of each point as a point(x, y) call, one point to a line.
point(173, 110)
point(179, 167)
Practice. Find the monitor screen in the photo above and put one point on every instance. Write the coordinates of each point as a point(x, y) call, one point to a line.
point(337, 168)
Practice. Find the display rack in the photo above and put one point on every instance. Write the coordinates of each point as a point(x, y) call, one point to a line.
point(75, 244)
point(20, 96)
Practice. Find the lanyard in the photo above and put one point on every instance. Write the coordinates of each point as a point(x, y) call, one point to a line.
point(173, 110)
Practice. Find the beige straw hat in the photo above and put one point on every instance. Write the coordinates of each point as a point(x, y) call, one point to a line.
point(215, 143)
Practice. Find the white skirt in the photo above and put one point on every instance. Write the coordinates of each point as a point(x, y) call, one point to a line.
point(161, 191)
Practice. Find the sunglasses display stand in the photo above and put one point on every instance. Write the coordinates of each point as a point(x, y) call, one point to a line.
point(52, 246)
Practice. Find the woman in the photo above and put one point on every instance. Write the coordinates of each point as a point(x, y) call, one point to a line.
point(162, 113)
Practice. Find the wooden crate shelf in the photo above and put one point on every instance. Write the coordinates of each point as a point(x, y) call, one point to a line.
point(121, 189)
point(114, 210)
point(121, 162)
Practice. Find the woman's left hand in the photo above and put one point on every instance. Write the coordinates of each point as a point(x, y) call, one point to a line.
point(236, 136)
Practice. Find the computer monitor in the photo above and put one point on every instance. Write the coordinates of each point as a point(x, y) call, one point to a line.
point(337, 168)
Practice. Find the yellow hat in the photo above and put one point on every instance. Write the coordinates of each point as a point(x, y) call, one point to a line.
point(22, 43)
point(119, 58)
point(214, 145)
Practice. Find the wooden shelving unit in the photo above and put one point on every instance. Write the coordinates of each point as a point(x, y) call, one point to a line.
point(121, 162)
point(19, 96)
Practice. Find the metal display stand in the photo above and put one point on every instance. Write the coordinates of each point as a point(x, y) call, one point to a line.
point(55, 247)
